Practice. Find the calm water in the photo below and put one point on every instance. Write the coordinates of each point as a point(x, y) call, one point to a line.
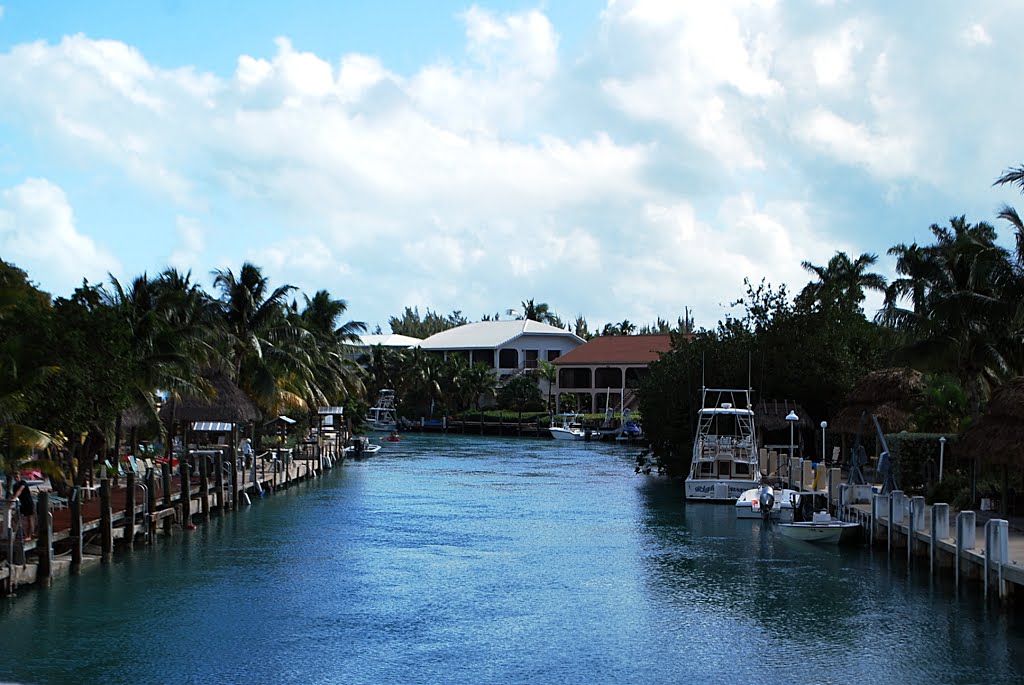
point(478, 560)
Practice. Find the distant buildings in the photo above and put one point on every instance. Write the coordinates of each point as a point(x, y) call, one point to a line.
point(606, 371)
point(508, 347)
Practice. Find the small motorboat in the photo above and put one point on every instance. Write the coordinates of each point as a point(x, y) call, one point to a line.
point(394, 437)
point(812, 522)
point(571, 428)
point(361, 447)
point(822, 528)
point(766, 501)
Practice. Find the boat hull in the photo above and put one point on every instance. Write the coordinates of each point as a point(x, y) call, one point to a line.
point(566, 434)
point(824, 533)
point(717, 490)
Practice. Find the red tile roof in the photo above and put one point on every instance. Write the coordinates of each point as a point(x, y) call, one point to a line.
point(618, 349)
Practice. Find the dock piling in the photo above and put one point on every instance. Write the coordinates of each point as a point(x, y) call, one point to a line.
point(76, 530)
point(45, 546)
point(106, 522)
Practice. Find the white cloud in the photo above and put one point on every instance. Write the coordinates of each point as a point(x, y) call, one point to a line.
point(833, 57)
point(975, 35)
point(38, 233)
point(856, 144)
point(190, 243)
point(1, 11)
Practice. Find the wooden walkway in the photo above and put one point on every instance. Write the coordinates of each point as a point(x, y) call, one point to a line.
point(967, 544)
point(137, 509)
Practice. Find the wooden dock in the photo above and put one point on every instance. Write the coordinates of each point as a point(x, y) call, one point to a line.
point(967, 545)
point(138, 508)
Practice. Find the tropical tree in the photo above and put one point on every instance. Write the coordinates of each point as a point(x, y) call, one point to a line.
point(538, 311)
point(960, 309)
point(842, 283)
point(328, 346)
point(549, 372)
point(263, 344)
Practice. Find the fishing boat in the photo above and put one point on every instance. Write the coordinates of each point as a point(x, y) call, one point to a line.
point(382, 416)
point(765, 501)
point(725, 462)
point(361, 446)
point(811, 521)
point(571, 428)
point(821, 528)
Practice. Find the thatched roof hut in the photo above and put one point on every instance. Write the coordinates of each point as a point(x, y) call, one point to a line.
point(890, 394)
point(770, 415)
point(137, 417)
point(998, 436)
point(229, 404)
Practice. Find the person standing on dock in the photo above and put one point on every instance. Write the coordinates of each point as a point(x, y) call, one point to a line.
point(27, 507)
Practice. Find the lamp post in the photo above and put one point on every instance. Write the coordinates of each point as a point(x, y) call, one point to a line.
point(942, 454)
point(824, 425)
point(792, 419)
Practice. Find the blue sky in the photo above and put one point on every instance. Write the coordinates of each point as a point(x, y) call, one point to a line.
point(617, 160)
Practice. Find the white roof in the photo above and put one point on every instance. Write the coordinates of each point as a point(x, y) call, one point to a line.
point(489, 335)
point(389, 340)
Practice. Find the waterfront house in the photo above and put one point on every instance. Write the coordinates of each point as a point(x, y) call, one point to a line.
point(508, 347)
point(606, 371)
point(387, 340)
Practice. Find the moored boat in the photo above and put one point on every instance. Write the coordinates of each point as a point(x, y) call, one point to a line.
point(382, 416)
point(571, 428)
point(755, 504)
point(725, 462)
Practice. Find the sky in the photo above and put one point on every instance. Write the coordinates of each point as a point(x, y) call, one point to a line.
point(617, 160)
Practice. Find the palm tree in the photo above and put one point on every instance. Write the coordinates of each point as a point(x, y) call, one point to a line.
point(958, 317)
point(548, 372)
point(263, 342)
point(539, 311)
point(329, 346)
point(842, 281)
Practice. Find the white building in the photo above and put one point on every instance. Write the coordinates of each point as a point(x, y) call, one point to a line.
point(387, 340)
point(506, 346)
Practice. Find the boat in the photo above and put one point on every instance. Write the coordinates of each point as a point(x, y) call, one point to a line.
point(812, 522)
point(360, 446)
point(765, 501)
point(394, 437)
point(571, 428)
point(382, 416)
point(630, 432)
point(821, 528)
point(725, 461)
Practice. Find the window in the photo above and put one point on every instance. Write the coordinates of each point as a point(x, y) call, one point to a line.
point(508, 359)
point(634, 376)
point(574, 378)
point(530, 359)
point(484, 357)
point(554, 354)
point(608, 378)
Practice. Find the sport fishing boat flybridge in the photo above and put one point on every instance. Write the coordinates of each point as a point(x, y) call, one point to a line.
point(725, 460)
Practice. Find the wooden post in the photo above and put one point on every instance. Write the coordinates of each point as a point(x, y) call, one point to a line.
point(106, 522)
point(165, 478)
point(185, 498)
point(45, 547)
point(150, 504)
point(234, 482)
point(218, 480)
point(129, 510)
point(76, 531)
point(204, 485)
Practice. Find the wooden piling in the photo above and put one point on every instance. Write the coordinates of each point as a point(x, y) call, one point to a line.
point(165, 478)
point(150, 504)
point(218, 480)
point(129, 510)
point(234, 483)
point(186, 495)
point(106, 522)
point(76, 531)
point(45, 546)
point(204, 485)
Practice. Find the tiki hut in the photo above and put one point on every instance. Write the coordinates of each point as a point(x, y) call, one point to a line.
point(220, 414)
point(997, 438)
point(890, 394)
point(773, 428)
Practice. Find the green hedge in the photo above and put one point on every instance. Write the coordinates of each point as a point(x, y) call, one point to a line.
point(916, 458)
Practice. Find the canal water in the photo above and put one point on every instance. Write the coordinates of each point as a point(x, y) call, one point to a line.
point(458, 559)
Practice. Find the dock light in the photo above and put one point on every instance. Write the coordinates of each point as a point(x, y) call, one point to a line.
point(942, 454)
point(792, 418)
point(824, 425)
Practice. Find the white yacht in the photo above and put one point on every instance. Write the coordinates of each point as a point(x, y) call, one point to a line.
point(382, 415)
point(571, 428)
point(725, 461)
